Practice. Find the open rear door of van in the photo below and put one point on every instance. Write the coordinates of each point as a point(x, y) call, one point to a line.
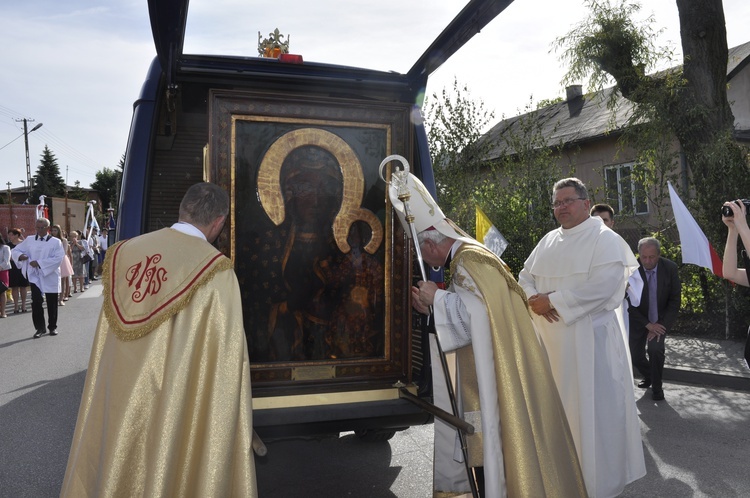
point(325, 269)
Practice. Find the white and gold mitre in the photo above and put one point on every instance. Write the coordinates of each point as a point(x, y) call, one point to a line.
point(422, 211)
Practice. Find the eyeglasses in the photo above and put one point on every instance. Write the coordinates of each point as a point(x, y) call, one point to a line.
point(566, 202)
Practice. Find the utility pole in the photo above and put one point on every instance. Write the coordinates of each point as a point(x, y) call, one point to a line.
point(26, 132)
point(67, 210)
point(10, 204)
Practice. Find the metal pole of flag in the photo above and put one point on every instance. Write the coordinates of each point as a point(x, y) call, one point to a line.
point(400, 181)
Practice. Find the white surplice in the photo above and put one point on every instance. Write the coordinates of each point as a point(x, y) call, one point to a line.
point(458, 311)
point(586, 269)
point(48, 252)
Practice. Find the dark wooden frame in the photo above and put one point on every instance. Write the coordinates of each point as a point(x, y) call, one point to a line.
point(271, 115)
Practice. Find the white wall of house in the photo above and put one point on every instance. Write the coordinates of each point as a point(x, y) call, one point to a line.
point(738, 94)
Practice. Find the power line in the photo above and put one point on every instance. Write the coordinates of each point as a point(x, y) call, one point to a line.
point(9, 112)
point(4, 146)
point(62, 147)
point(79, 162)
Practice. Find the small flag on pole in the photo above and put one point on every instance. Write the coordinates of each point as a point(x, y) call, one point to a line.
point(489, 235)
point(695, 246)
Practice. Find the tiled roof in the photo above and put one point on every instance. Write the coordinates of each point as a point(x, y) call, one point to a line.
point(739, 57)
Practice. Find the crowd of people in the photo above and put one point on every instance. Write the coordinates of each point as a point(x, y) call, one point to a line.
point(54, 280)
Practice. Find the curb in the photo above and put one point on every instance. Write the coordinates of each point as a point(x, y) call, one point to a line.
point(708, 379)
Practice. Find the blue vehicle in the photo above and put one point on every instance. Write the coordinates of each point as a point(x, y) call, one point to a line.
point(324, 267)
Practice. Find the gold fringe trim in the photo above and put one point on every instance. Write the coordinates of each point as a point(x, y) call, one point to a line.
point(481, 255)
point(132, 334)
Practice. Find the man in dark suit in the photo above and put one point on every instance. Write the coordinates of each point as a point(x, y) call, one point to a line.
point(657, 312)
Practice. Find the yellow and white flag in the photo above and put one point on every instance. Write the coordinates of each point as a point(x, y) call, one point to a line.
point(489, 235)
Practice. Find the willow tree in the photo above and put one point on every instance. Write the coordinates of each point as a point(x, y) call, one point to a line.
point(691, 100)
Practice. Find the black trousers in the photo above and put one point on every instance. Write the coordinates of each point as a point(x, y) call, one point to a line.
point(651, 368)
point(37, 308)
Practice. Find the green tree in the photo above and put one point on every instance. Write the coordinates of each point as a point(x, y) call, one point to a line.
point(513, 190)
point(108, 184)
point(690, 101)
point(454, 123)
point(516, 190)
point(47, 180)
point(77, 192)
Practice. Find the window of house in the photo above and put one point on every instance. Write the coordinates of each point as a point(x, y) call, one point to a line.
point(624, 193)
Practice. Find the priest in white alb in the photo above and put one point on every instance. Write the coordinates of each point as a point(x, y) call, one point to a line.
point(575, 280)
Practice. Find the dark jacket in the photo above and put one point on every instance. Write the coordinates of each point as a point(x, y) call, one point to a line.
point(668, 292)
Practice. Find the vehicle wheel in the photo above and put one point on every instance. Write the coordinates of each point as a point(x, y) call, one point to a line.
point(375, 435)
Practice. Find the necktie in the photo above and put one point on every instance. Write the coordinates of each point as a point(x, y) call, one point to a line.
point(653, 308)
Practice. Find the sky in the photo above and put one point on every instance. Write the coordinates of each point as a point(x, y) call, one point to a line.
point(77, 66)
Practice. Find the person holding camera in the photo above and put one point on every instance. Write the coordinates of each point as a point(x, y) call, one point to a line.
point(734, 217)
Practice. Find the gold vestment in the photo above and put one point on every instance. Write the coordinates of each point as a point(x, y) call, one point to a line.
point(166, 407)
point(539, 454)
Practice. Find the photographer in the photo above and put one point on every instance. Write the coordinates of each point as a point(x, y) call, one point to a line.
point(737, 224)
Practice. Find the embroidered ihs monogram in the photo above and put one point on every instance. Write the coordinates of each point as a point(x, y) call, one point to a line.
point(146, 277)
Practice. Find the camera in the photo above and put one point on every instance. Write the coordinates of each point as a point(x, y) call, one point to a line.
point(727, 211)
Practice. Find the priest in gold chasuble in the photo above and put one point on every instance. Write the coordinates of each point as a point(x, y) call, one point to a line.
point(504, 384)
point(166, 407)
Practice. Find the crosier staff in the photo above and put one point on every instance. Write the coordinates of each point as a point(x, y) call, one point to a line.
point(399, 179)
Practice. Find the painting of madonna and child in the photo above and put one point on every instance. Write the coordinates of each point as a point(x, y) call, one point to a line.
point(310, 245)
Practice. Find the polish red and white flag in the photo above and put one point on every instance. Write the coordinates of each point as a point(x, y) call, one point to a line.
point(696, 249)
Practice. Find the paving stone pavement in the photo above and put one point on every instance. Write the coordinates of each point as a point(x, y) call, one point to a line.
point(709, 362)
point(707, 355)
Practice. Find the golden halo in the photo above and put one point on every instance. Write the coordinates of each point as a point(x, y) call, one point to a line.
point(272, 200)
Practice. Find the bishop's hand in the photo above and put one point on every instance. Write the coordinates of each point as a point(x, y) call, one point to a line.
point(423, 295)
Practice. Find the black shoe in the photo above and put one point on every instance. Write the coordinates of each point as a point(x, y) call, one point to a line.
point(39, 333)
point(644, 384)
point(53, 332)
point(658, 395)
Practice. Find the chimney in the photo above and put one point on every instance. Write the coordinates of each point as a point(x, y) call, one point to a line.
point(573, 92)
